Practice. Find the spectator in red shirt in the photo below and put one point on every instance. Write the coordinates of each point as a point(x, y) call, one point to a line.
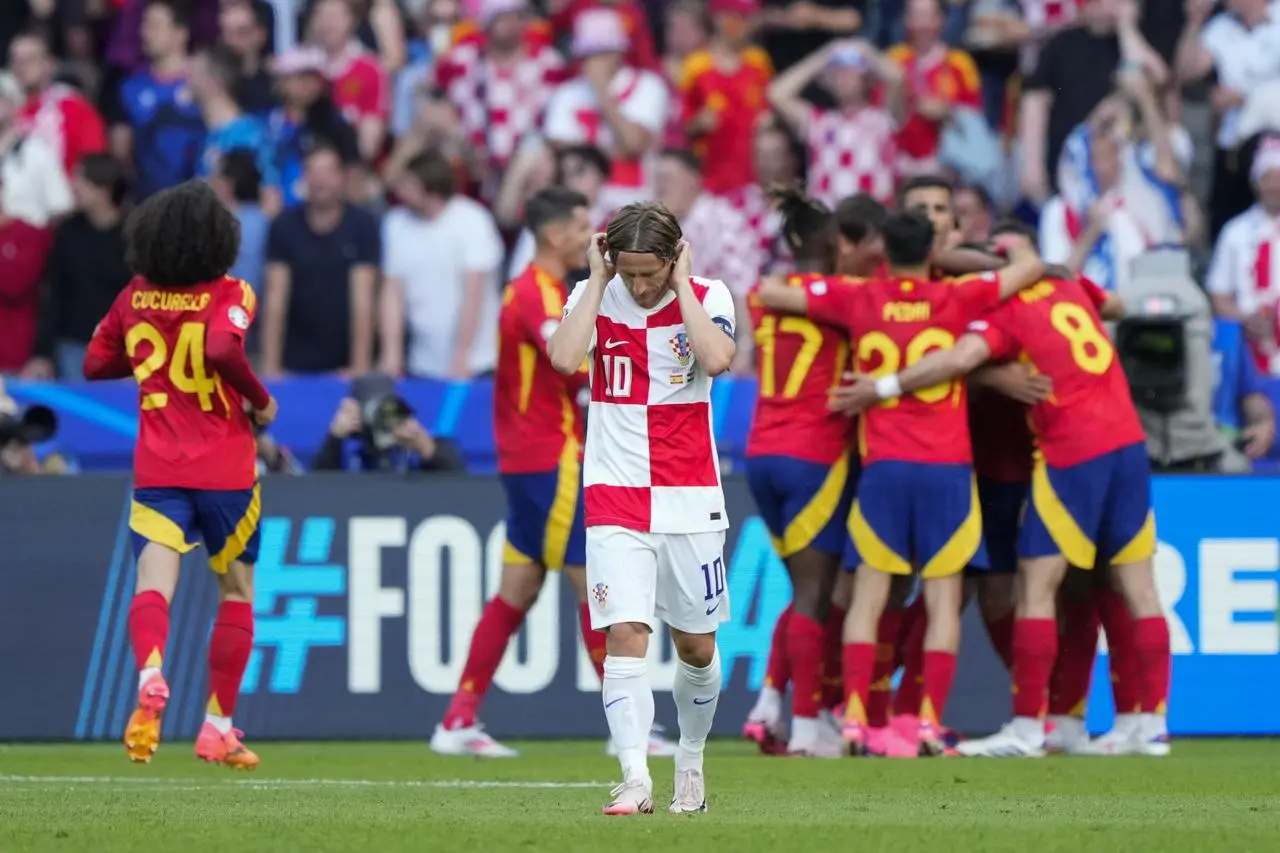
point(360, 87)
point(500, 84)
point(938, 80)
point(723, 90)
point(640, 53)
point(24, 248)
point(54, 112)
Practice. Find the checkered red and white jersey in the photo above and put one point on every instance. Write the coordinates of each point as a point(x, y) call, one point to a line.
point(765, 225)
point(850, 154)
point(498, 105)
point(650, 461)
point(727, 250)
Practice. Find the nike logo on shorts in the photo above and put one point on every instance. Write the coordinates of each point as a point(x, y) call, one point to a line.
point(711, 610)
point(614, 702)
point(614, 344)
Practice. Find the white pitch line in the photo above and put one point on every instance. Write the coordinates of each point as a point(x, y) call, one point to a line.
point(8, 780)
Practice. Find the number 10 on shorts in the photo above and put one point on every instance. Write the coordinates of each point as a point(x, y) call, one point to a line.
point(713, 578)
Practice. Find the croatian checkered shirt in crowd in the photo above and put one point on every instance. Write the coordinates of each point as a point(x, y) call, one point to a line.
point(650, 457)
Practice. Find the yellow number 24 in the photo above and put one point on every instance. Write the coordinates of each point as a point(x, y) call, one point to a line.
point(186, 369)
point(877, 346)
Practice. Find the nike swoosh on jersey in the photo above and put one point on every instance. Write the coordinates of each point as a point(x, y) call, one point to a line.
point(614, 344)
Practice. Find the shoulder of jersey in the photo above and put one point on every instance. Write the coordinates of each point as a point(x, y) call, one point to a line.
point(696, 63)
point(238, 292)
point(757, 57)
point(709, 283)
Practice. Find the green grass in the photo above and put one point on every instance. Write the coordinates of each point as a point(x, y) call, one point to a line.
point(1211, 795)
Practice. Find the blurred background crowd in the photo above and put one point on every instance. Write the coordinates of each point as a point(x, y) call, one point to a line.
point(378, 152)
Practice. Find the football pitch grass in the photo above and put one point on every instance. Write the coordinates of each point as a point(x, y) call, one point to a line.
point(393, 797)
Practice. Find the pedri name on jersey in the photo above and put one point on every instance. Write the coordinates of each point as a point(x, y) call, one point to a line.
point(906, 312)
point(160, 300)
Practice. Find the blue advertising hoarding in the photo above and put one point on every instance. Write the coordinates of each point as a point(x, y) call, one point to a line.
point(368, 588)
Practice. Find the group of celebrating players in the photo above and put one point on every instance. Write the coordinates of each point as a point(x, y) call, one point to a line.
point(887, 515)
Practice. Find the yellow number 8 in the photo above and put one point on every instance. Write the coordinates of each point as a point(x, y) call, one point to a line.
point(1090, 348)
point(186, 371)
point(879, 346)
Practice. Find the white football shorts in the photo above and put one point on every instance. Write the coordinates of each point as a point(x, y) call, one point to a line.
point(676, 578)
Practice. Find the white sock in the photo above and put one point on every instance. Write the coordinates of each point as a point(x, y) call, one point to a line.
point(697, 692)
point(222, 724)
point(146, 673)
point(628, 707)
point(805, 729)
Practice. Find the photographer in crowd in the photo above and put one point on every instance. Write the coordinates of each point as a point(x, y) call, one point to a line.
point(375, 430)
point(19, 435)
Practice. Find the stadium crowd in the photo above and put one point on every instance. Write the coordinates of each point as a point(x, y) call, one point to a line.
point(378, 153)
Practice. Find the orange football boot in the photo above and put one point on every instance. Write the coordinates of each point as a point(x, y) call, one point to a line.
point(216, 748)
point(142, 734)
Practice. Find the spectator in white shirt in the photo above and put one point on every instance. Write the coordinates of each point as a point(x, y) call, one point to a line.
point(442, 258)
point(1242, 44)
point(621, 109)
point(1244, 277)
point(727, 248)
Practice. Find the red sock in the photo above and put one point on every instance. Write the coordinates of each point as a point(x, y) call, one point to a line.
point(229, 647)
point(1151, 643)
point(488, 644)
point(1000, 631)
point(806, 644)
point(887, 634)
point(1073, 670)
point(859, 661)
point(149, 628)
point(911, 688)
point(832, 662)
point(939, 671)
point(778, 672)
point(593, 640)
point(1035, 648)
point(1118, 624)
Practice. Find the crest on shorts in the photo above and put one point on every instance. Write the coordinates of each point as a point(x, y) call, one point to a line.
point(600, 592)
point(680, 346)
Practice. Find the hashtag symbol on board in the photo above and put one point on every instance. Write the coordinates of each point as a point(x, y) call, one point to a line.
point(286, 604)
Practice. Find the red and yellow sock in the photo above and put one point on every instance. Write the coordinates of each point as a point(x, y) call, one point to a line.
point(1118, 625)
point(806, 646)
point(911, 688)
point(1035, 648)
point(859, 661)
point(939, 672)
point(498, 622)
point(149, 629)
point(777, 673)
point(1151, 642)
point(593, 640)
point(887, 634)
point(230, 645)
point(1073, 669)
point(833, 662)
point(1000, 632)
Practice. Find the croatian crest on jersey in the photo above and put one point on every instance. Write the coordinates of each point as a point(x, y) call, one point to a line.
point(680, 346)
point(600, 592)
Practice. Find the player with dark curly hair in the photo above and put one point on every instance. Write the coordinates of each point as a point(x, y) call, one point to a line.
point(178, 328)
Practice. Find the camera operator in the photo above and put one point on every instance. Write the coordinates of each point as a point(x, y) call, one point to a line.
point(375, 430)
point(18, 436)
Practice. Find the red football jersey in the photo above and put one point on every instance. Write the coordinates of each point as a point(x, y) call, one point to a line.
point(1054, 326)
point(738, 99)
point(1002, 444)
point(193, 432)
point(535, 410)
point(896, 322)
point(947, 75)
point(798, 362)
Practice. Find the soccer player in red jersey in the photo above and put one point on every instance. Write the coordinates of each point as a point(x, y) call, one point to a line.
point(538, 427)
point(799, 467)
point(916, 508)
point(1090, 496)
point(178, 328)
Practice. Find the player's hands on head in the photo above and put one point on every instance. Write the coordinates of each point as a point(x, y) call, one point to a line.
point(1018, 382)
point(682, 268)
point(346, 421)
point(856, 395)
point(264, 417)
point(598, 262)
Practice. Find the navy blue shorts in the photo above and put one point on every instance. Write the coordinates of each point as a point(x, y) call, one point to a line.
point(915, 516)
point(545, 517)
point(1098, 511)
point(226, 521)
point(1002, 507)
point(804, 504)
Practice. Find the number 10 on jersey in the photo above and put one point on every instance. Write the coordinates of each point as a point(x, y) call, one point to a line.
point(617, 375)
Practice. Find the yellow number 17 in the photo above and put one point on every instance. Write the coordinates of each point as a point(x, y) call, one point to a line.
point(877, 346)
point(811, 343)
point(186, 370)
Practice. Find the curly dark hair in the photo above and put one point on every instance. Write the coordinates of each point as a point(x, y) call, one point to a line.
point(182, 236)
point(808, 227)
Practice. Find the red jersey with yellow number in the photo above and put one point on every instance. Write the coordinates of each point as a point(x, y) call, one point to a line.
point(1054, 326)
point(798, 362)
point(895, 322)
point(536, 417)
point(193, 432)
point(738, 99)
